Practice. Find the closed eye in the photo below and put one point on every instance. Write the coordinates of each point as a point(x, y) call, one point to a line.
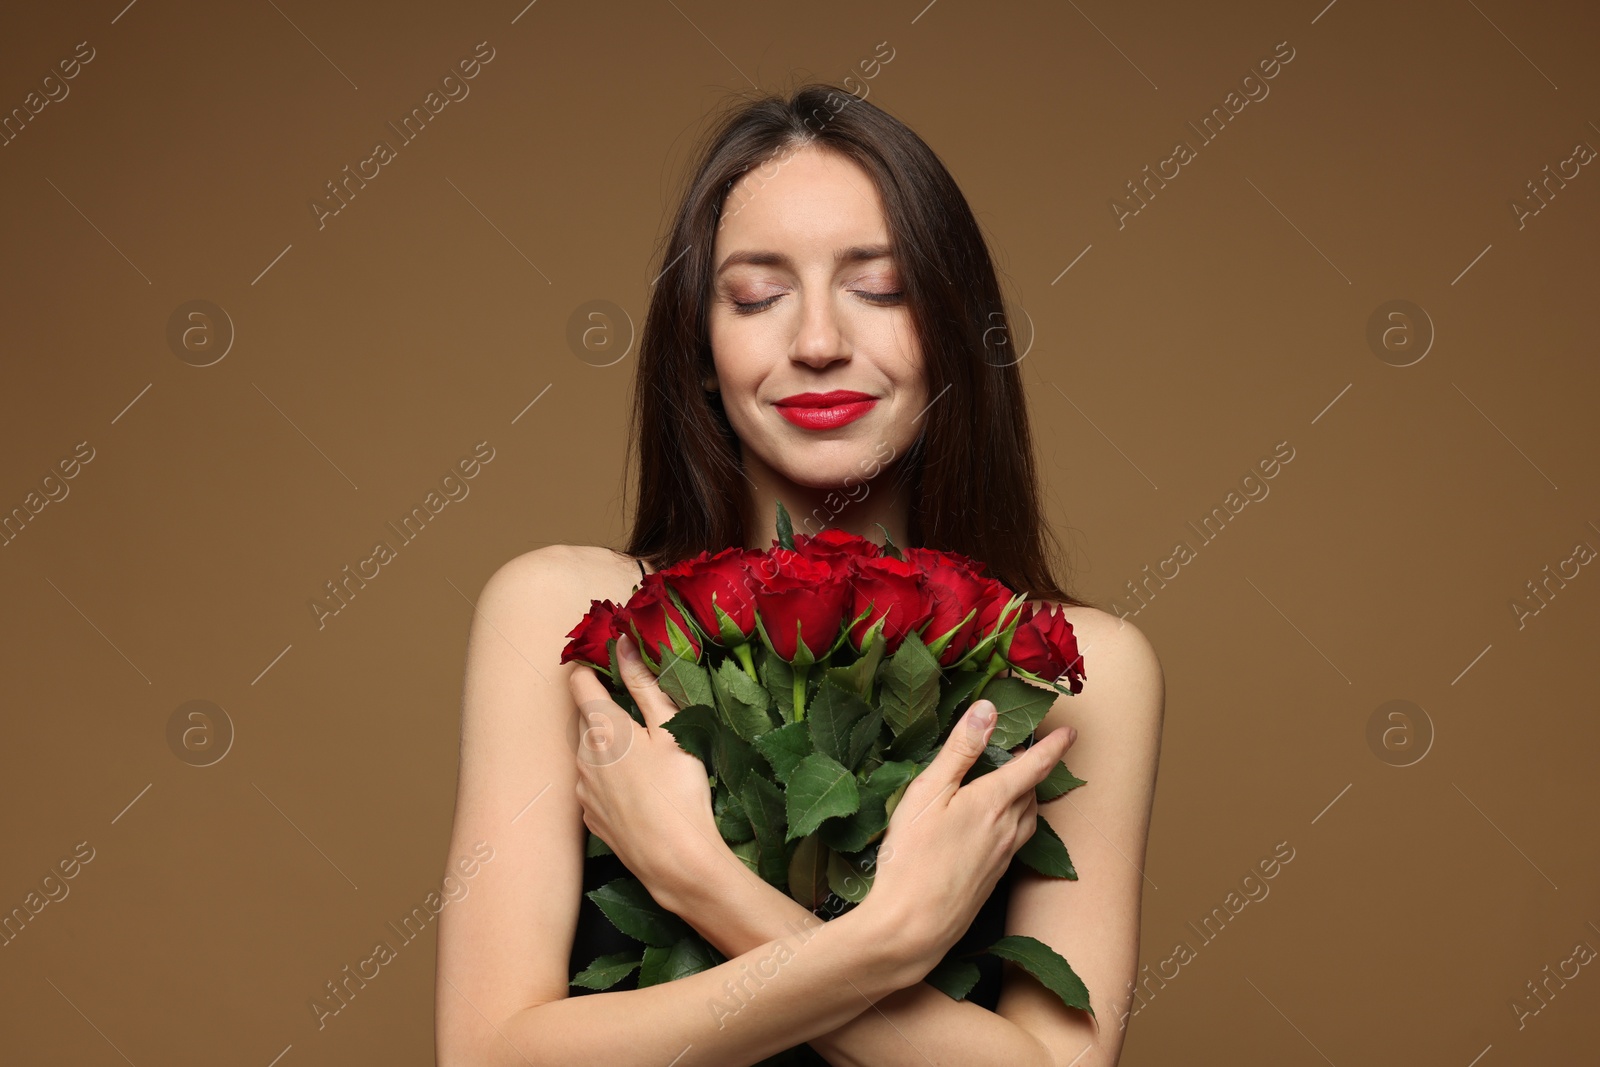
point(880, 299)
point(751, 308)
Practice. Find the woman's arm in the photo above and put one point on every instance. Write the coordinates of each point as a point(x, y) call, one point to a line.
point(780, 993)
point(915, 1026)
point(501, 995)
point(1094, 921)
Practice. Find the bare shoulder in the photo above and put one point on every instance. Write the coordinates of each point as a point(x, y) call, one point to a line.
point(578, 566)
point(1117, 651)
point(1123, 702)
point(559, 578)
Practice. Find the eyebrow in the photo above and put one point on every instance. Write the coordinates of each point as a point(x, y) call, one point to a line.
point(853, 254)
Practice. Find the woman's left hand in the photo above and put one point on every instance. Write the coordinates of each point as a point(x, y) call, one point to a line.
point(642, 794)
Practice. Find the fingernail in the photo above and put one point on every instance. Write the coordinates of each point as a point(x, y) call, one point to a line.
point(626, 649)
point(1072, 735)
point(980, 715)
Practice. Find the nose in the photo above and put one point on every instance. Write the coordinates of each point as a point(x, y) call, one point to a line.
point(820, 340)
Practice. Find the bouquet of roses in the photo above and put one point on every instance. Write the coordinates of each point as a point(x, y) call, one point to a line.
point(816, 680)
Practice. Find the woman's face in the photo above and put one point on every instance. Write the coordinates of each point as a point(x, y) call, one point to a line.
point(806, 300)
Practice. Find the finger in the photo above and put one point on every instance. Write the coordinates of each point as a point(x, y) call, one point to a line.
point(585, 685)
point(654, 705)
point(963, 747)
point(604, 732)
point(1033, 739)
point(1021, 774)
point(1027, 812)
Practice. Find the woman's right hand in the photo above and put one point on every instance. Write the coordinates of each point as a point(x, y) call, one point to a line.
point(948, 844)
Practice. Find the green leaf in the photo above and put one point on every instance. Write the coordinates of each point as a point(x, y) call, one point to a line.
point(1057, 782)
point(607, 971)
point(748, 851)
point(1046, 853)
point(990, 759)
point(848, 877)
point(733, 822)
point(653, 965)
point(785, 530)
point(910, 686)
point(890, 549)
point(818, 789)
point(732, 758)
point(833, 714)
point(891, 776)
point(865, 732)
point(890, 781)
point(765, 804)
point(777, 677)
point(808, 872)
point(852, 833)
point(857, 677)
point(685, 681)
point(953, 977)
point(1045, 964)
point(695, 728)
point(595, 847)
point(631, 909)
point(1021, 708)
point(744, 703)
point(785, 747)
point(874, 757)
point(917, 741)
point(957, 695)
point(691, 955)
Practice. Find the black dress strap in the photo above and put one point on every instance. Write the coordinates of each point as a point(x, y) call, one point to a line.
point(642, 574)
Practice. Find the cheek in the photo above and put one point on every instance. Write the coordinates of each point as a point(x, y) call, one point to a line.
point(903, 355)
point(733, 378)
point(903, 363)
point(740, 358)
point(911, 383)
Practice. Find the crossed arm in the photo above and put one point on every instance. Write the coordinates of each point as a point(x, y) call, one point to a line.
point(851, 987)
point(1093, 921)
point(914, 1024)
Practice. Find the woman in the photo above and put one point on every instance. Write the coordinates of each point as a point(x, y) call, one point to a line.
point(827, 331)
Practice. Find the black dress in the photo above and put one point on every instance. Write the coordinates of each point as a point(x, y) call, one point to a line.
point(596, 936)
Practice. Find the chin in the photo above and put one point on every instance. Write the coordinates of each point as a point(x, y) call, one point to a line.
point(837, 465)
point(811, 478)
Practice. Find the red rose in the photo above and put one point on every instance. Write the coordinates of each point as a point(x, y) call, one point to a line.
point(895, 591)
point(800, 599)
point(589, 637)
point(723, 580)
point(1043, 644)
point(835, 545)
point(956, 587)
point(990, 609)
point(646, 615)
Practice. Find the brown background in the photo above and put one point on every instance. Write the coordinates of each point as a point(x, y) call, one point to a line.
point(373, 353)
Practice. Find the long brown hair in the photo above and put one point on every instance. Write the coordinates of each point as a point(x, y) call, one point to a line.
point(970, 474)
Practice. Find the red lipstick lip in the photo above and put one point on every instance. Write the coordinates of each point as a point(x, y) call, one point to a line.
point(827, 418)
point(831, 399)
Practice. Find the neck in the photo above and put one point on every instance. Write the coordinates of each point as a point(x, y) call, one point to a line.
point(857, 508)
